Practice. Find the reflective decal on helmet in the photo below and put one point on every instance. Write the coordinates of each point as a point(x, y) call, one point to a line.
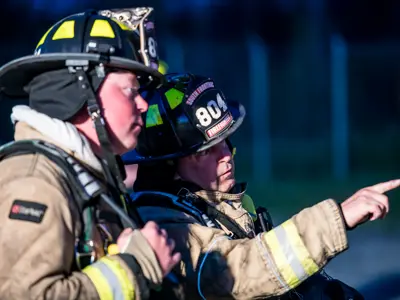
point(102, 28)
point(153, 117)
point(43, 38)
point(197, 92)
point(211, 113)
point(213, 131)
point(65, 31)
point(162, 67)
point(152, 46)
point(123, 26)
point(174, 97)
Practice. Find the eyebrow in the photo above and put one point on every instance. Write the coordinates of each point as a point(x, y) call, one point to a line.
point(135, 82)
point(135, 85)
point(131, 82)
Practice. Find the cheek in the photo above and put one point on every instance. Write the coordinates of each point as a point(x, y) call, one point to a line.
point(209, 170)
point(120, 112)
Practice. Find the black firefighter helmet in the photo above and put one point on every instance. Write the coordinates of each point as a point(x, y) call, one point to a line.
point(188, 114)
point(94, 38)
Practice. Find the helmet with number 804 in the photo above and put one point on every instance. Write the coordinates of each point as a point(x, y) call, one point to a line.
point(188, 114)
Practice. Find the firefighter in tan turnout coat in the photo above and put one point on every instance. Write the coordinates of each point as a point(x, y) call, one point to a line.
point(186, 182)
point(62, 204)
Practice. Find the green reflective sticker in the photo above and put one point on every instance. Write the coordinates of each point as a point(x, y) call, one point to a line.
point(174, 97)
point(153, 117)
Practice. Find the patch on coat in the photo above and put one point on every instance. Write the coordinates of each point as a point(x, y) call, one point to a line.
point(27, 211)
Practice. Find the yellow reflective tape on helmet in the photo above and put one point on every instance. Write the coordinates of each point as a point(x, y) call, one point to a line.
point(100, 282)
point(44, 37)
point(110, 280)
point(174, 97)
point(123, 26)
point(163, 67)
point(65, 31)
point(102, 28)
point(248, 205)
point(153, 117)
point(291, 257)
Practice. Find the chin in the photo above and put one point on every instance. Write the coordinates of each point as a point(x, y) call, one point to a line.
point(127, 145)
point(232, 184)
point(226, 186)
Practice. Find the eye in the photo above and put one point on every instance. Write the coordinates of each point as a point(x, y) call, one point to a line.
point(204, 152)
point(133, 91)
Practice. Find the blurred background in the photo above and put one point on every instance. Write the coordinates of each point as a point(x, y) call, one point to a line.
point(320, 82)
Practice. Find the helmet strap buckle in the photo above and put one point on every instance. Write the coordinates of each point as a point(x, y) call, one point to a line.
point(104, 50)
point(75, 64)
point(100, 71)
point(93, 111)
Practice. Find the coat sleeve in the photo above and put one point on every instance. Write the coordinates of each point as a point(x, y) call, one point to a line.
point(37, 249)
point(270, 264)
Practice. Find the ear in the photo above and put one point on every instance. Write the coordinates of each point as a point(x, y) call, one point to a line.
point(186, 163)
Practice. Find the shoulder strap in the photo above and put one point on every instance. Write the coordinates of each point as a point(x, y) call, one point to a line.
point(87, 188)
point(198, 208)
point(166, 200)
point(83, 184)
point(214, 214)
point(229, 223)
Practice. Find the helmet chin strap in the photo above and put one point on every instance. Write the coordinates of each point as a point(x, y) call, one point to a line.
point(111, 166)
point(99, 123)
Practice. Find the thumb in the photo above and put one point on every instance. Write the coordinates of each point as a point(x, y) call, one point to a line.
point(176, 258)
point(126, 232)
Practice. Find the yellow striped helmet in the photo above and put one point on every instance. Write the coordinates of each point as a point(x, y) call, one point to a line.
point(93, 38)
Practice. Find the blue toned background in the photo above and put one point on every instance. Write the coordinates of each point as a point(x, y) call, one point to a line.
point(320, 82)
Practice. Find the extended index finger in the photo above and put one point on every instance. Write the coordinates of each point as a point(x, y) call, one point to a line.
point(383, 187)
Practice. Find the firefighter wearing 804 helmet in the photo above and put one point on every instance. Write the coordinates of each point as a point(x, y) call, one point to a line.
point(62, 206)
point(186, 182)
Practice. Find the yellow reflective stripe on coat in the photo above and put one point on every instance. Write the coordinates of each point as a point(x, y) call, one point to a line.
point(300, 250)
point(110, 280)
point(100, 282)
point(123, 279)
point(291, 256)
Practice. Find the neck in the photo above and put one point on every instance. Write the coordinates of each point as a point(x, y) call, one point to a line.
point(87, 129)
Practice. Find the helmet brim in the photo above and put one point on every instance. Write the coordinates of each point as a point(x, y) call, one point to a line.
point(15, 75)
point(238, 113)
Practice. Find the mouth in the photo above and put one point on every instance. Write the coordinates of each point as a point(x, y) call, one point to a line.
point(137, 127)
point(227, 173)
point(137, 124)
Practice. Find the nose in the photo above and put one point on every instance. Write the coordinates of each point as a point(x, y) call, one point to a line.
point(225, 155)
point(141, 104)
